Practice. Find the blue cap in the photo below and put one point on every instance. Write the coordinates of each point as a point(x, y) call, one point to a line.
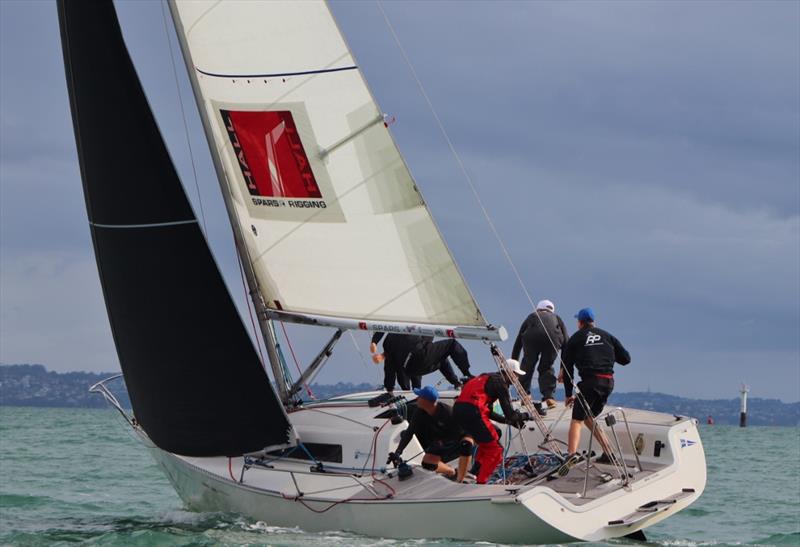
point(586, 315)
point(428, 393)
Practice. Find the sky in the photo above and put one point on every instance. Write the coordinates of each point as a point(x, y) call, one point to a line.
point(642, 158)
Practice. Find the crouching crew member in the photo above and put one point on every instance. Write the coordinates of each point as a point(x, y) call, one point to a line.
point(593, 352)
point(407, 358)
point(435, 428)
point(433, 356)
point(473, 412)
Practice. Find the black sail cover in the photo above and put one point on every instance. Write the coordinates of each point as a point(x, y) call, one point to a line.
point(195, 380)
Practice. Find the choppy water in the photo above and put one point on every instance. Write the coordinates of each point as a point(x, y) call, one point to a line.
point(75, 476)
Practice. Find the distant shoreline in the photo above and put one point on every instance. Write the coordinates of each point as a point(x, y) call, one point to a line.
point(26, 385)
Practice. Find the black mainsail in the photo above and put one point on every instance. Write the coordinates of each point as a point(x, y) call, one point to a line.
point(195, 381)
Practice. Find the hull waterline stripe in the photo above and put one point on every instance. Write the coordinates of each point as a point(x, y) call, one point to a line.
point(151, 225)
point(277, 74)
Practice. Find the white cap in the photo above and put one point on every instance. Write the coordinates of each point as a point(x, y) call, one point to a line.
point(513, 364)
point(545, 305)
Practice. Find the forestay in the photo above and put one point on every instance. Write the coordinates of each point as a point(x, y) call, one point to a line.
point(333, 222)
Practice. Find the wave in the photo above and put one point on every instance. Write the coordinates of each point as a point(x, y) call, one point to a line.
point(792, 538)
point(12, 501)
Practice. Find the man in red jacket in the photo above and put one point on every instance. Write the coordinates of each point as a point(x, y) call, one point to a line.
point(473, 412)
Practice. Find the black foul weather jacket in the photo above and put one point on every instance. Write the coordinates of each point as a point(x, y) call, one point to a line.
point(544, 328)
point(593, 352)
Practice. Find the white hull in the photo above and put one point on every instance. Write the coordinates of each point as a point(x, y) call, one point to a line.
point(429, 506)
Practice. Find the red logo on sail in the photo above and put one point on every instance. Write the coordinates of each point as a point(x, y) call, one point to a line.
point(270, 154)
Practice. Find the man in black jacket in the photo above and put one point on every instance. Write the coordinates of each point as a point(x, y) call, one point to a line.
point(540, 337)
point(593, 352)
point(408, 358)
point(397, 349)
point(436, 430)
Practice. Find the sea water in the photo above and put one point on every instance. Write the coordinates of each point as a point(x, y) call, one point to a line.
point(72, 476)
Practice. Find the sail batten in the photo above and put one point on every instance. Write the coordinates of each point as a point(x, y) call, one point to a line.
point(333, 222)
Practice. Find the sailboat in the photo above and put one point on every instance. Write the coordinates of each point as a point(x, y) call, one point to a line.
point(310, 177)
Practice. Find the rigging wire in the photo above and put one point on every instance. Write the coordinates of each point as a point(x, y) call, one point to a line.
point(294, 357)
point(247, 303)
point(183, 117)
point(578, 395)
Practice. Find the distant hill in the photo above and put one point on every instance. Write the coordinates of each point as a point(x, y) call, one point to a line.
point(34, 385)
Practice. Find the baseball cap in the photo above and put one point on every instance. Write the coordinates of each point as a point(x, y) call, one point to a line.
point(585, 314)
point(545, 305)
point(514, 365)
point(428, 393)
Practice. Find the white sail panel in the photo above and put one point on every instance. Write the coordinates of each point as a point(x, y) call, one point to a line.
point(332, 219)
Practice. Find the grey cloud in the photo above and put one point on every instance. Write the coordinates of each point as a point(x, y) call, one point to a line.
point(701, 97)
point(637, 157)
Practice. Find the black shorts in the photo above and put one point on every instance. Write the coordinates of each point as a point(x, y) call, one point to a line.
point(473, 423)
point(595, 393)
point(447, 450)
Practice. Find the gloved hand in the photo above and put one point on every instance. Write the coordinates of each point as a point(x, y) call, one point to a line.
point(519, 419)
point(394, 458)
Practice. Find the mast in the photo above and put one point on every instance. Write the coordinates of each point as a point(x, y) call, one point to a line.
point(265, 324)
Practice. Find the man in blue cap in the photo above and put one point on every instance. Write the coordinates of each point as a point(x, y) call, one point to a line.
point(433, 424)
point(593, 352)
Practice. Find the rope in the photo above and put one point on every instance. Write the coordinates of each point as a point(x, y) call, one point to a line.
point(373, 453)
point(183, 117)
point(478, 200)
point(230, 470)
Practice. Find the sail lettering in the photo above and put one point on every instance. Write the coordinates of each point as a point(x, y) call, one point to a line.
point(270, 154)
point(237, 147)
point(302, 162)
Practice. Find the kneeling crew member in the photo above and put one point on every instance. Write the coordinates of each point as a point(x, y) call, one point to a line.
point(437, 431)
point(473, 412)
point(593, 352)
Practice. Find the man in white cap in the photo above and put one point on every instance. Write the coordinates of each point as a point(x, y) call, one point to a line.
point(474, 412)
point(540, 337)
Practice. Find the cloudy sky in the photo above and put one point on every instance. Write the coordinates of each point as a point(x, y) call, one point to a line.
point(639, 157)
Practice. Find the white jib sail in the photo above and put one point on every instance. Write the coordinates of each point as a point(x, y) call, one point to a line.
point(333, 221)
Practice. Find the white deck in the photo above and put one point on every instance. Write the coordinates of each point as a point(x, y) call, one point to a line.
point(359, 494)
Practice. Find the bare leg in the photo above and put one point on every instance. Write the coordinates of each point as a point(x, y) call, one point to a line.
point(574, 437)
point(441, 467)
point(464, 462)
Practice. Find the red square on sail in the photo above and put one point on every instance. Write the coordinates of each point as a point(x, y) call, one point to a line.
point(270, 154)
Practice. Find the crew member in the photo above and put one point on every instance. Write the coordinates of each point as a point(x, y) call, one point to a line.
point(473, 411)
point(432, 356)
point(435, 428)
point(540, 337)
point(593, 352)
point(397, 349)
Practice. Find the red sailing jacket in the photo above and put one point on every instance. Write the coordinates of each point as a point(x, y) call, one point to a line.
point(482, 391)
